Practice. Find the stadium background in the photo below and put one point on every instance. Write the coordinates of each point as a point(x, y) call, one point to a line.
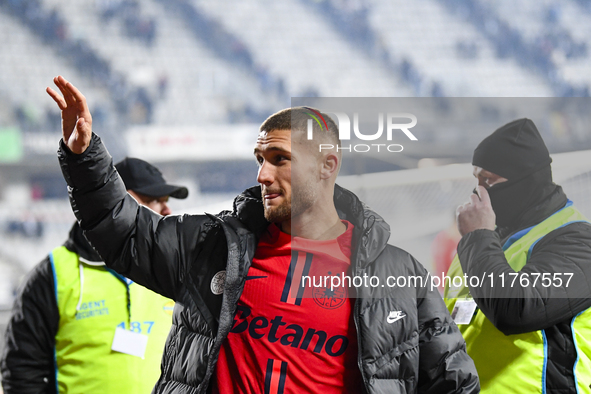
point(185, 84)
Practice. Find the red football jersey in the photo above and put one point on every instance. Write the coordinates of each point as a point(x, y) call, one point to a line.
point(287, 338)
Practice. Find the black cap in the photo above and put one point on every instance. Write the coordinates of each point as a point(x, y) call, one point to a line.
point(143, 178)
point(513, 151)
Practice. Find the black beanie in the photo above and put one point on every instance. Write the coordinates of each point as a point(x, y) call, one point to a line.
point(513, 151)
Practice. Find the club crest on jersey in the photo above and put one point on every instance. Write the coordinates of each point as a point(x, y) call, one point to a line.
point(328, 298)
point(217, 283)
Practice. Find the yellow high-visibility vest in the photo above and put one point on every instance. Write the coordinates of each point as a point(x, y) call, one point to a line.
point(92, 302)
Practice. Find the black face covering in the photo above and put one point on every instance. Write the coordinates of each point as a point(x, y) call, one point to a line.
point(511, 199)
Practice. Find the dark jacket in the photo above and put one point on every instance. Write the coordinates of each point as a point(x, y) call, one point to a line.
point(524, 309)
point(178, 256)
point(28, 360)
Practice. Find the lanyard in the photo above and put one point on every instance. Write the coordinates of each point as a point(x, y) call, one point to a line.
point(127, 283)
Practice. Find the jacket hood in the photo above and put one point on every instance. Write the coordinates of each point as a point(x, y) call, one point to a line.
point(370, 235)
point(78, 244)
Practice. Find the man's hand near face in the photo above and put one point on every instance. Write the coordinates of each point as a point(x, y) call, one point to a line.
point(476, 214)
point(76, 119)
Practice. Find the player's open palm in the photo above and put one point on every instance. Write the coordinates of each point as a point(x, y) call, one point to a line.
point(76, 119)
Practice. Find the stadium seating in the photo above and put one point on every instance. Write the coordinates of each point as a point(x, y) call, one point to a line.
point(528, 32)
point(28, 65)
point(564, 28)
point(296, 43)
point(185, 79)
point(425, 32)
point(389, 48)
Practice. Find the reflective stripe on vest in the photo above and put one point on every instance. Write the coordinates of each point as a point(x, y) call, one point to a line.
point(85, 362)
point(517, 363)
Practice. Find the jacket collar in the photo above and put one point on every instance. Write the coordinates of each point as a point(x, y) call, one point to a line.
point(248, 207)
point(370, 235)
point(78, 244)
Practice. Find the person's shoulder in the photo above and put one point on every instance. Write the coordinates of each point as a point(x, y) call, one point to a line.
point(397, 251)
point(579, 231)
point(41, 271)
point(572, 239)
point(39, 277)
point(400, 259)
point(582, 227)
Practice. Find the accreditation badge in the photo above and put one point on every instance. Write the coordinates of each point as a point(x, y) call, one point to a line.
point(463, 311)
point(129, 342)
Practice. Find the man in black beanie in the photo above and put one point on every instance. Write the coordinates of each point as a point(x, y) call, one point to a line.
point(527, 319)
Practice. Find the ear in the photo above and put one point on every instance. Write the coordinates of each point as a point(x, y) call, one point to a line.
point(330, 165)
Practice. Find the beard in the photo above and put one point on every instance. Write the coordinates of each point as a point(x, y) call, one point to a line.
point(278, 214)
point(302, 201)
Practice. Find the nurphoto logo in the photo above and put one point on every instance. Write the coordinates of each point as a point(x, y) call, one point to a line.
point(392, 124)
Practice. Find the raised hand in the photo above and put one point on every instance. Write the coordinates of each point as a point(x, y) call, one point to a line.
point(476, 213)
point(76, 119)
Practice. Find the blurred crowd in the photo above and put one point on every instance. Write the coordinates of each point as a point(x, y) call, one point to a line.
point(226, 45)
point(539, 54)
point(137, 104)
point(129, 12)
point(49, 26)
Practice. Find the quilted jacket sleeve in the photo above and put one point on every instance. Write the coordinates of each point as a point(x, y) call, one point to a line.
point(444, 365)
point(150, 249)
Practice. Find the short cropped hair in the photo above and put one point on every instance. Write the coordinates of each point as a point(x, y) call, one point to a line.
point(297, 119)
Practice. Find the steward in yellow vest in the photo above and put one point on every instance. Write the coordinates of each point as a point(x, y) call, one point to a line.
point(521, 292)
point(79, 327)
point(60, 337)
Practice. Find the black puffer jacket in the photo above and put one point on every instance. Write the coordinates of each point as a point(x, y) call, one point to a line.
point(178, 256)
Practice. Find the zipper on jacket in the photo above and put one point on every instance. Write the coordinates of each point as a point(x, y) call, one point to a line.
point(357, 306)
point(217, 343)
point(359, 361)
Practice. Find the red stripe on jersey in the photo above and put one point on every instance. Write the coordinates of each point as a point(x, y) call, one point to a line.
point(275, 377)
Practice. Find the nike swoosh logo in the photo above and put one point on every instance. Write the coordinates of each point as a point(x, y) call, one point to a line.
point(395, 316)
point(255, 277)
